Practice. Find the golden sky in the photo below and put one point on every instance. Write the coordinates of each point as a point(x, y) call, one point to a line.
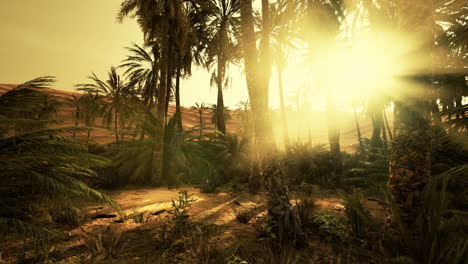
point(70, 39)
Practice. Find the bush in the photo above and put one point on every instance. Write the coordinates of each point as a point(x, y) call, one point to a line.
point(329, 227)
point(304, 209)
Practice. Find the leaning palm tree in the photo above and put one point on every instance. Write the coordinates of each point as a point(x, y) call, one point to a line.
point(200, 111)
point(223, 26)
point(115, 91)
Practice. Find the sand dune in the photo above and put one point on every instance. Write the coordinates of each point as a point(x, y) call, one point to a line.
point(313, 127)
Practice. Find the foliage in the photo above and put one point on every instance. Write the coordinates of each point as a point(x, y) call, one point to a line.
point(180, 209)
point(438, 237)
point(41, 166)
point(105, 243)
point(68, 216)
point(267, 229)
point(309, 164)
point(358, 218)
point(235, 260)
point(304, 209)
point(329, 227)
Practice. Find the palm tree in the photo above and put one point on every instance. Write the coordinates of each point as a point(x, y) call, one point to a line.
point(214, 115)
point(322, 23)
point(410, 152)
point(279, 205)
point(243, 113)
point(282, 35)
point(256, 84)
point(223, 25)
point(165, 23)
point(90, 110)
point(358, 129)
point(75, 102)
point(40, 167)
point(141, 70)
point(115, 91)
point(200, 110)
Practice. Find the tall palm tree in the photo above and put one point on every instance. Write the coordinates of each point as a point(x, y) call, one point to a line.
point(279, 206)
point(115, 90)
point(322, 22)
point(164, 22)
point(282, 35)
point(200, 111)
point(223, 26)
point(410, 152)
point(214, 114)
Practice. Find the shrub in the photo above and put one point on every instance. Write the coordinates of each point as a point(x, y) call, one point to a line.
point(304, 209)
point(329, 227)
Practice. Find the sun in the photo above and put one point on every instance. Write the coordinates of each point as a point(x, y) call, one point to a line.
point(368, 66)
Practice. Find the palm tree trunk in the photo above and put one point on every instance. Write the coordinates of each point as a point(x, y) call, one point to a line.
point(410, 162)
point(74, 131)
point(334, 138)
point(410, 158)
point(201, 124)
point(358, 130)
point(283, 108)
point(122, 129)
point(220, 122)
point(384, 133)
point(258, 94)
point(89, 135)
point(157, 168)
point(376, 140)
point(116, 127)
point(177, 98)
point(387, 126)
point(279, 206)
point(170, 73)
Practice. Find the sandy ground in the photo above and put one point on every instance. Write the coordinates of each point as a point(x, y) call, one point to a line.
point(219, 209)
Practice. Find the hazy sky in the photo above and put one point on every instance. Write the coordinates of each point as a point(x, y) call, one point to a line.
point(70, 39)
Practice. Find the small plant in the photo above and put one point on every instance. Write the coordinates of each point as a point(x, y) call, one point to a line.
point(235, 260)
point(181, 208)
point(304, 209)
point(267, 231)
point(329, 227)
point(356, 214)
point(197, 240)
point(108, 242)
